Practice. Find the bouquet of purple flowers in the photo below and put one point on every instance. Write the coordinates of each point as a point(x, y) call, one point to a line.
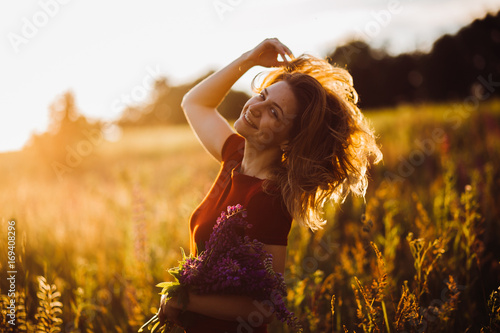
point(233, 264)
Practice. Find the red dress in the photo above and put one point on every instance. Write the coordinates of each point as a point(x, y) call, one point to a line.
point(266, 213)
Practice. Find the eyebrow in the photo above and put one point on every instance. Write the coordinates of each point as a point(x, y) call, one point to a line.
point(274, 103)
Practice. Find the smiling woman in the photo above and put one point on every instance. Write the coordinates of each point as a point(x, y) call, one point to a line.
point(299, 141)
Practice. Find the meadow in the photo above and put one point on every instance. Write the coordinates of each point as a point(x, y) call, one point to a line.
point(419, 254)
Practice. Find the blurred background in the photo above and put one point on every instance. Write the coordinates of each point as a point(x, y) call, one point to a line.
point(101, 173)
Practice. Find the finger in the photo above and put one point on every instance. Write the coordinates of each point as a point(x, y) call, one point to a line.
point(283, 51)
point(161, 317)
point(274, 43)
point(289, 52)
point(270, 42)
point(161, 312)
point(280, 58)
point(284, 58)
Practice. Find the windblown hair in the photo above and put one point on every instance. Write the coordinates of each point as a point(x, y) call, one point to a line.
point(331, 142)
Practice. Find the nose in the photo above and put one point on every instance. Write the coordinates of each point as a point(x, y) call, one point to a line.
point(255, 110)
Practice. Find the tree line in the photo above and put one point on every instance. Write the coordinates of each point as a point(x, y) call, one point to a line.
point(457, 66)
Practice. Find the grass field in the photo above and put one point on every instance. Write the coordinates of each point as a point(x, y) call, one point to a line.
point(420, 255)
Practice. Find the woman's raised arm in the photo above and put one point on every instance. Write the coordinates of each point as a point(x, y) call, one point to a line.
point(201, 102)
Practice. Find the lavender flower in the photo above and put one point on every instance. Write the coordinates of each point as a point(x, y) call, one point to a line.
point(233, 264)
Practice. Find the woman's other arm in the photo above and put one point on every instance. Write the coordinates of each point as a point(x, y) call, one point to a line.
point(231, 307)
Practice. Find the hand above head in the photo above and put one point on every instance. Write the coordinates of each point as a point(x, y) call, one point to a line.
point(266, 53)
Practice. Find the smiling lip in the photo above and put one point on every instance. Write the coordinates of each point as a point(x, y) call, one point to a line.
point(247, 119)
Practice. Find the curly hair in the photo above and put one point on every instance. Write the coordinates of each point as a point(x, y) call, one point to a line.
point(331, 142)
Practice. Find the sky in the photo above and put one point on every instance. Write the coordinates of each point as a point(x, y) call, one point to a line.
point(108, 53)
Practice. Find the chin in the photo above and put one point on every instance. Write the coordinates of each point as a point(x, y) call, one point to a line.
point(239, 126)
point(241, 132)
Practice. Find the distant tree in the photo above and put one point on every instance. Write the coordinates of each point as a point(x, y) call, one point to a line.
point(232, 105)
point(455, 65)
point(457, 62)
point(69, 138)
point(448, 69)
point(379, 78)
point(406, 78)
point(164, 106)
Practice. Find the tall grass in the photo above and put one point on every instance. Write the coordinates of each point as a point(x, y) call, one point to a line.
point(421, 254)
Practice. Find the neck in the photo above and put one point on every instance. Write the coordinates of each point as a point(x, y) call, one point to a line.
point(258, 162)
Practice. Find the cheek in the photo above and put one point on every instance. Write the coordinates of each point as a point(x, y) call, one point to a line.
point(267, 138)
point(243, 109)
point(280, 128)
point(273, 132)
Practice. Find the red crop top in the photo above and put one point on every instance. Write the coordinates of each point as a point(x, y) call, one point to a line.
point(266, 212)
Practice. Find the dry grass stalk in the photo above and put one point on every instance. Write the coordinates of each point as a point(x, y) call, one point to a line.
point(49, 308)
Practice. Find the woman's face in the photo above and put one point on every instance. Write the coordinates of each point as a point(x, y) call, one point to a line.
point(267, 118)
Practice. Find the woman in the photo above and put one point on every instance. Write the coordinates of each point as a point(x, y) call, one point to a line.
point(299, 142)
